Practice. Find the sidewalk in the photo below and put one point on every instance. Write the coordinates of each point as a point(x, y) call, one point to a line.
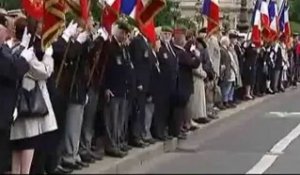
point(138, 157)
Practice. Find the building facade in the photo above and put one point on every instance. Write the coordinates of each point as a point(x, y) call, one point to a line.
point(230, 10)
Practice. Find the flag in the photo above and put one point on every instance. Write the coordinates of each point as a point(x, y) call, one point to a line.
point(34, 8)
point(80, 8)
point(110, 13)
point(53, 21)
point(151, 9)
point(134, 9)
point(273, 17)
point(211, 10)
point(256, 24)
point(284, 22)
point(265, 21)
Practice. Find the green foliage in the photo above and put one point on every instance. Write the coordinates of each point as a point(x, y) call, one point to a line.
point(10, 4)
point(295, 27)
point(294, 10)
point(166, 16)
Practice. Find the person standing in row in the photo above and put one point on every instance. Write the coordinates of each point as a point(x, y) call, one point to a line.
point(166, 85)
point(117, 86)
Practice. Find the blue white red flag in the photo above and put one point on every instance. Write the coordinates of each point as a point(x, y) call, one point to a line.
point(211, 10)
point(284, 22)
point(273, 16)
point(256, 24)
point(265, 22)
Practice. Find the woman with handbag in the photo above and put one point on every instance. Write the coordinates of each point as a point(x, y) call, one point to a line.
point(34, 114)
point(13, 66)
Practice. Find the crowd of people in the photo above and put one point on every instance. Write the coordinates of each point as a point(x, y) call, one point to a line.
point(91, 92)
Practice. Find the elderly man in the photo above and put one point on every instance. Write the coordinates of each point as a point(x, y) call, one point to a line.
point(117, 85)
point(187, 62)
point(166, 86)
point(214, 54)
point(228, 73)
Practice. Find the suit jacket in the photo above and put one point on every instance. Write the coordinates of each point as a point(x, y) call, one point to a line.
point(168, 64)
point(187, 62)
point(143, 63)
point(118, 69)
point(240, 56)
point(12, 69)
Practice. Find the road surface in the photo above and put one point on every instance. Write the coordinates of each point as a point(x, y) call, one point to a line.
point(262, 139)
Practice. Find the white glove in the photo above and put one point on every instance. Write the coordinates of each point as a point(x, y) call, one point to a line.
point(25, 38)
point(82, 37)
point(28, 54)
point(197, 53)
point(103, 33)
point(70, 31)
point(193, 47)
point(87, 99)
point(10, 43)
point(49, 51)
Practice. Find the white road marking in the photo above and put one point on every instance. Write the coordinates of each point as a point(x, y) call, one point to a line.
point(284, 143)
point(285, 114)
point(269, 158)
point(265, 162)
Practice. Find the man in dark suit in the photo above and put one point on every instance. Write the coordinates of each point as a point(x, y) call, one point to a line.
point(117, 89)
point(140, 52)
point(166, 85)
point(13, 66)
point(185, 87)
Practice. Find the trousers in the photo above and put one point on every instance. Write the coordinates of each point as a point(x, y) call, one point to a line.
point(72, 133)
point(4, 151)
point(227, 91)
point(89, 119)
point(149, 110)
point(138, 120)
point(115, 113)
point(161, 115)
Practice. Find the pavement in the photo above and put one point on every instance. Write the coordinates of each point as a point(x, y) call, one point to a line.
point(229, 144)
point(259, 137)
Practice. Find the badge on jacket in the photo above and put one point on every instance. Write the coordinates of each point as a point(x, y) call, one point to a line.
point(119, 61)
point(165, 56)
point(146, 55)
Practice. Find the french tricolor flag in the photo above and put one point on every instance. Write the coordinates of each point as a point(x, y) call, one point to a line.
point(211, 10)
point(256, 24)
point(265, 22)
point(273, 16)
point(284, 22)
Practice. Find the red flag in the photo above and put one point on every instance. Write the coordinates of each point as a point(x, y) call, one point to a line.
point(146, 28)
point(33, 8)
point(151, 9)
point(54, 21)
point(110, 14)
point(84, 10)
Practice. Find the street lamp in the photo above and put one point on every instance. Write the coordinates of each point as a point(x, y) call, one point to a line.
point(243, 24)
point(175, 11)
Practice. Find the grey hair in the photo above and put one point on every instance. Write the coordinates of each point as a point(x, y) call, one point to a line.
point(225, 41)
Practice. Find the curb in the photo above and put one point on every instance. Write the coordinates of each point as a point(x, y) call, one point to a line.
point(139, 157)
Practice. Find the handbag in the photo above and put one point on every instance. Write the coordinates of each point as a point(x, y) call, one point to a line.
point(31, 104)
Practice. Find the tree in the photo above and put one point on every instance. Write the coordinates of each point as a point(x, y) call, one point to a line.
point(294, 10)
point(10, 4)
point(169, 14)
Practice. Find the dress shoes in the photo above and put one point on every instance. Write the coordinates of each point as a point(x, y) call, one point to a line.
point(202, 120)
point(72, 166)
point(61, 170)
point(150, 141)
point(213, 117)
point(87, 158)
point(116, 153)
point(97, 156)
point(182, 136)
point(139, 144)
point(126, 148)
point(83, 164)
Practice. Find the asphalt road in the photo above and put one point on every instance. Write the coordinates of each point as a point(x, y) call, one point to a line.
point(260, 139)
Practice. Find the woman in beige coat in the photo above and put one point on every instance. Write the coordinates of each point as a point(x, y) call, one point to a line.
point(26, 133)
point(197, 104)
